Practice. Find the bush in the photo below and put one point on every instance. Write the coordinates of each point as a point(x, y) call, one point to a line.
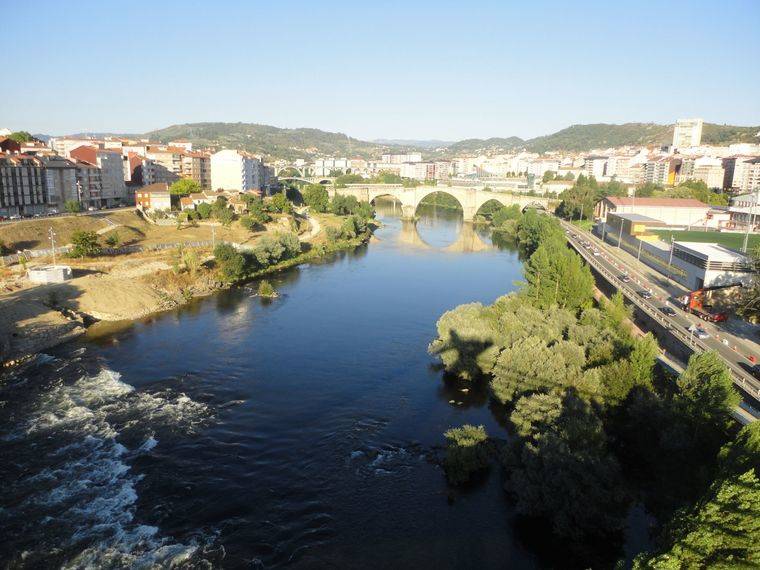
point(349, 205)
point(291, 243)
point(184, 187)
point(249, 223)
point(468, 450)
point(3, 248)
point(231, 262)
point(72, 206)
point(85, 244)
point(224, 214)
point(266, 289)
point(113, 239)
point(204, 210)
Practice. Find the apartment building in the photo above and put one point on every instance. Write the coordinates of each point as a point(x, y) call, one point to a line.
point(746, 177)
point(22, 185)
point(238, 170)
point(327, 166)
point(708, 170)
point(168, 162)
point(595, 166)
point(197, 166)
point(687, 133)
point(114, 188)
point(402, 158)
point(154, 197)
point(60, 181)
point(658, 171)
point(89, 184)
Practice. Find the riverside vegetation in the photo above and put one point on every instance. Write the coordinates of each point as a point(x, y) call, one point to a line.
point(595, 426)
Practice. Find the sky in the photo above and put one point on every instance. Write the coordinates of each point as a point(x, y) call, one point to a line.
point(394, 69)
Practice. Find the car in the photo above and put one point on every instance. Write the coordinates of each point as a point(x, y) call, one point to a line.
point(644, 294)
point(14, 217)
point(91, 209)
point(668, 311)
point(596, 252)
point(625, 278)
point(698, 331)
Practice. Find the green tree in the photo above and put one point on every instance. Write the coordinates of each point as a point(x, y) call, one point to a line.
point(505, 214)
point(468, 450)
point(580, 199)
point(85, 244)
point(231, 262)
point(315, 196)
point(558, 276)
point(749, 307)
point(279, 203)
point(204, 210)
point(72, 206)
point(707, 389)
point(548, 176)
point(184, 187)
point(224, 214)
point(560, 467)
point(21, 137)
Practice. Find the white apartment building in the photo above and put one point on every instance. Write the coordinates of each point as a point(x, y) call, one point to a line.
point(238, 170)
point(64, 145)
point(687, 133)
point(708, 170)
point(401, 158)
point(747, 174)
point(114, 189)
point(324, 166)
point(596, 166)
point(539, 167)
point(183, 144)
point(656, 171)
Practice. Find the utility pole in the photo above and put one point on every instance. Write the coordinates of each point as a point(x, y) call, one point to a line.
point(51, 233)
point(620, 234)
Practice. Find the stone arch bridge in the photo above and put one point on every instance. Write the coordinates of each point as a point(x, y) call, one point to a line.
point(471, 199)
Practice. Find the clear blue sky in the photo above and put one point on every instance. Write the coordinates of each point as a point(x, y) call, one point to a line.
point(394, 69)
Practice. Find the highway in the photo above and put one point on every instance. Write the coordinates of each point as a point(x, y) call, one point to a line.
point(610, 263)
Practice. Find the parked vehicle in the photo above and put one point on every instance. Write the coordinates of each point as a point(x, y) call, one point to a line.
point(644, 294)
point(624, 278)
point(596, 252)
point(668, 311)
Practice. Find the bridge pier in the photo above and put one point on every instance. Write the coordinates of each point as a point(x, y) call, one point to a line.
point(408, 212)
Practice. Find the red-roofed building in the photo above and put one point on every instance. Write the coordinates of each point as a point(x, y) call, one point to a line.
point(671, 211)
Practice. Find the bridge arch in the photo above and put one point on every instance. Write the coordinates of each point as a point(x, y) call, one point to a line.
point(534, 206)
point(488, 208)
point(290, 171)
point(435, 190)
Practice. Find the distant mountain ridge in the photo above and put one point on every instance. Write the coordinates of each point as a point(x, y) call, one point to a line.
point(306, 143)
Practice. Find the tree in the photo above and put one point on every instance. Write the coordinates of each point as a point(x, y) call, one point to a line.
point(721, 531)
point(85, 244)
point(468, 450)
point(231, 262)
point(72, 206)
point(505, 214)
point(315, 196)
point(279, 203)
point(548, 176)
point(184, 187)
point(707, 389)
point(558, 276)
point(560, 468)
point(224, 214)
point(21, 137)
point(580, 199)
point(204, 210)
point(750, 301)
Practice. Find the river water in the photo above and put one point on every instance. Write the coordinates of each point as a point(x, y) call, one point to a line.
point(303, 432)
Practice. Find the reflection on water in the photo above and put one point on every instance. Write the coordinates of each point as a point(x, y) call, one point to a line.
point(305, 432)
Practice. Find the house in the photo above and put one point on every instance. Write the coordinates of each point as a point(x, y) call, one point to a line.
point(154, 197)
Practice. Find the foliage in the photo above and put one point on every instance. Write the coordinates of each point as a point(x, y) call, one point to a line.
point(315, 196)
point(349, 205)
point(184, 187)
point(534, 229)
point(204, 210)
point(385, 177)
point(343, 179)
point(249, 223)
point(85, 244)
point(256, 209)
point(3, 248)
point(560, 467)
point(113, 239)
point(505, 214)
point(266, 289)
point(579, 201)
point(441, 200)
point(707, 389)
point(21, 136)
point(72, 206)
point(280, 203)
point(548, 176)
point(558, 276)
point(223, 214)
point(231, 262)
point(468, 450)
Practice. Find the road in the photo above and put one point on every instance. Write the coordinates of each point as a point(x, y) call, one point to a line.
point(610, 263)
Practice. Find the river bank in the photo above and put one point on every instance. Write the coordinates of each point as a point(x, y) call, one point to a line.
point(123, 288)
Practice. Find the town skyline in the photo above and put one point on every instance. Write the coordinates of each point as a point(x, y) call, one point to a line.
point(492, 71)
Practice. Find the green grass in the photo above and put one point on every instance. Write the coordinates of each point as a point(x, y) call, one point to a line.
point(729, 240)
point(587, 225)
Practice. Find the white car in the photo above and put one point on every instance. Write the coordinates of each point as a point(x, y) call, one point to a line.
point(596, 252)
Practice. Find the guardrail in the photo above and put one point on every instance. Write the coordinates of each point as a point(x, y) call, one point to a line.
point(750, 386)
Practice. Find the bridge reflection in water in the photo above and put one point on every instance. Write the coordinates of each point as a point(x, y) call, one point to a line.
point(435, 224)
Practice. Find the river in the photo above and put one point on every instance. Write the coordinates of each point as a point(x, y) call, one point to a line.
point(302, 432)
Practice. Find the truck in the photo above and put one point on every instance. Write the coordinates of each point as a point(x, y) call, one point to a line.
point(697, 303)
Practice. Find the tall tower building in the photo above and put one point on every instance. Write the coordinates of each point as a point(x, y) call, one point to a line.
point(687, 132)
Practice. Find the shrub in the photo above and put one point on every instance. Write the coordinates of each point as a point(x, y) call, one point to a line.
point(204, 210)
point(3, 248)
point(266, 289)
point(72, 206)
point(113, 239)
point(249, 223)
point(231, 262)
point(468, 450)
point(224, 214)
point(85, 244)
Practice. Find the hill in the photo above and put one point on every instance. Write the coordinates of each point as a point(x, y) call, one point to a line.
point(413, 143)
point(272, 142)
point(493, 144)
